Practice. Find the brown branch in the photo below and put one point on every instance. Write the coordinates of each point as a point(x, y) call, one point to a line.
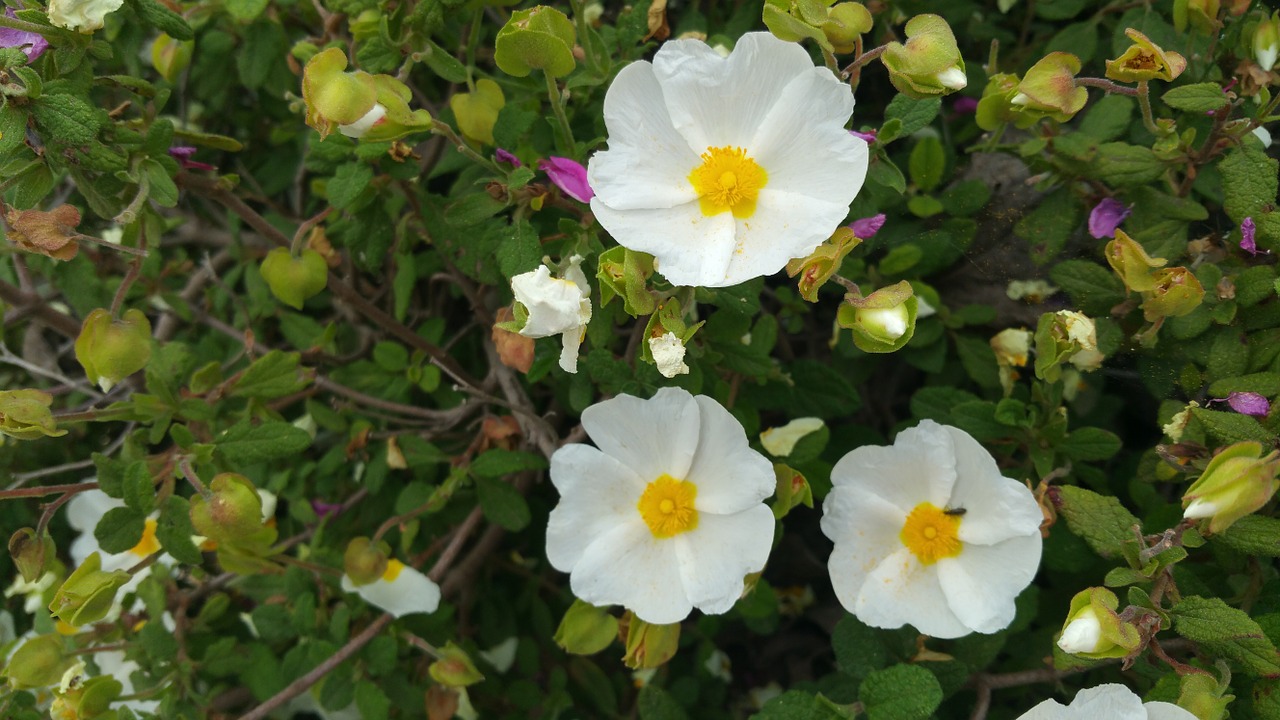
point(46, 490)
point(64, 324)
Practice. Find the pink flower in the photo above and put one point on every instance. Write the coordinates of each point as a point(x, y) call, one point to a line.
point(506, 157)
point(866, 227)
point(33, 44)
point(1106, 217)
point(1247, 232)
point(1249, 403)
point(569, 176)
point(183, 153)
point(868, 137)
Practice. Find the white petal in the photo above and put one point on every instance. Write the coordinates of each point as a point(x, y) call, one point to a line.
point(554, 304)
point(731, 477)
point(716, 556)
point(1112, 701)
point(668, 354)
point(954, 78)
point(596, 494)
point(1082, 634)
point(982, 581)
point(571, 340)
point(85, 509)
point(358, 128)
point(1047, 710)
point(648, 163)
point(919, 467)
point(1166, 711)
point(692, 249)
point(627, 566)
point(652, 437)
point(901, 591)
point(1200, 508)
point(780, 441)
point(865, 529)
point(717, 102)
point(785, 225)
point(996, 507)
point(411, 592)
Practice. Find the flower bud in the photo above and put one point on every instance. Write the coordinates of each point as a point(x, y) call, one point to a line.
point(996, 106)
point(38, 662)
point(1105, 218)
point(625, 273)
point(1144, 60)
point(568, 175)
point(1049, 89)
point(539, 38)
point(648, 645)
point(929, 64)
point(816, 269)
point(1266, 41)
point(170, 57)
point(25, 415)
point(364, 561)
point(29, 553)
point(52, 234)
point(846, 22)
point(231, 513)
point(112, 350)
point(1176, 293)
point(780, 441)
point(87, 594)
point(1093, 629)
point(294, 279)
point(477, 112)
point(1132, 263)
point(88, 698)
point(357, 104)
point(883, 321)
point(454, 667)
point(1065, 336)
point(1237, 481)
point(1203, 696)
point(1201, 14)
point(791, 489)
point(795, 20)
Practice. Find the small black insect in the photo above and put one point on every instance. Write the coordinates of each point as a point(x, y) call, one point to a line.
point(954, 511)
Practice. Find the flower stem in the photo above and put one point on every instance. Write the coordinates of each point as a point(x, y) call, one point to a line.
point(1107, 85)
point(1144, 102)
point(23, 25)
point(299, 237)
point(190, 473)
point(441, 128)
point(866, 57)
point(557, 107)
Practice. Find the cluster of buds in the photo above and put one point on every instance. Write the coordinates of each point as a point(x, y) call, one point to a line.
point(539, 38)
point(1238, 481)
point(357, 104)
point(1048, 90)
point(1166, 292)
point(883, 321)
point(1066, 336)
point(111, 350)
point(929, 64)
point(836, 27)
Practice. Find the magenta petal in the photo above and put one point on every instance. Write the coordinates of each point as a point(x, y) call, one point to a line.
point(32, 44)
point(965, 105)
point(868, 137)
point(1106, 217)
point(569, 176)
point(1248, 230)
point(1249, 403)
point(866, 227)
point(506, 157)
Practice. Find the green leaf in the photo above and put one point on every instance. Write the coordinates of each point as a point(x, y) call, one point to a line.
point(498, 462)
point(1079, 39)
point(1100, 520)
point(163, 19)
point(1249, 182)
point(261, 52)
point(1093, 288)
point(1253, 535)
point(979, 360)
point(138, 488)
point(935, 403)
point(1230, 427)
point(927, 163)
point(372, 703)
point(245, 443)
point(174, 531)
point(520, 250)
point(900, 259)
point(1120, 164)
point(900, 692)
point(1091, 443)
point(246, 10)
point(1049, 225)
point(1264, 383)
point(120, 530)
point(13, 128)
point(65, 119)
point(655, 703)
point(273, 375)
point(1226, 631)
point(503, 505)
point(913, 114)
point(858, 649)
point(798, 705)
point(444, 64)
point(347, 183)
point(161, 187)
point(1197, 98)
point(513, 122)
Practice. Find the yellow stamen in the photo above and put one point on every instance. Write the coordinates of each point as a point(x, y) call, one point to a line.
point(931, 534)
point(667, 506)
point(393, 570)
point(148, 544)
point(728, 180)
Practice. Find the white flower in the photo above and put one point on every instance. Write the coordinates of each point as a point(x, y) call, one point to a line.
point(668, 354)
point(32, 592)
point(780, 441)
point(81, 15)
point(557, 306)
point(1083, 634)
point(1106, 702)
point(358, 128)
point(1263, 135)
point(954, 78)
point(928, 532)
point(724, 169)
point(667, 514)
point(83, 513)
point(1012, 346)
point(114, 663)
point(400, 591)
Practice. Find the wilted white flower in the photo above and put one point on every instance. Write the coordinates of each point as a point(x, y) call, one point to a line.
point(665, 514)
point(556, 306)
point(81, 15)
point(668, 355)
point(722, 168)
point(1106, 702)
point(780, 441)
point(928, 532)
point(401, 590)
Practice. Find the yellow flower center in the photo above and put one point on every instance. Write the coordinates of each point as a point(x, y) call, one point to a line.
point(148, 544)
point(728, 180)
point(931, 534)
point(667, 506)
point(393, 570)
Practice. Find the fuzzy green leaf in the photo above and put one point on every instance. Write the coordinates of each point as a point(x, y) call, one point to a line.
point(1100, 520)
point(1226, 631)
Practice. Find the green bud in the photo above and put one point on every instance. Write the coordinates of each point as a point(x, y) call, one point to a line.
point(1049, 89)
point(1094, 630)
point(25, 415)
point(170, 57)
point(929, 64)
point(294, 279)
point(232, 513)
point(1201, 14)
point(586, 629)
point(454, 668)
point(648, 645)
point(87, 595)
point(846, 22)
point(1266, 41)
point(365, 562)
point(539, 38)
point(29, 553)
point(477, 112)
point(1238, 481)
point(1204, 696)
point(995, 108)
point(38, 662)
point(397, 121)
point(1144, 60)
point(816, 269)
point(89, 699)
point(1132, 263)
point(795, 20)
point(792, 489)
point(334, 97)
point(625, 273)
point(1176, 293)
point(883, 321)
point(112, 350)
point(365, 25)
